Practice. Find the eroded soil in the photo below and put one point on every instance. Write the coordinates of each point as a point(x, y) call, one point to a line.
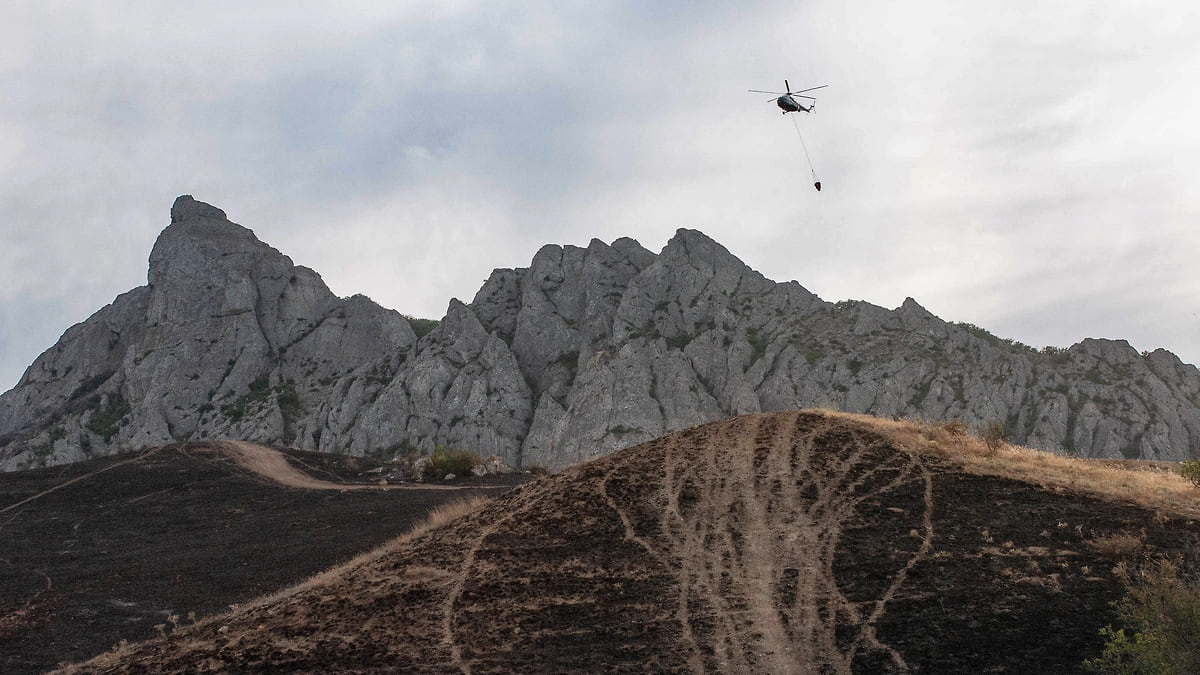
point(789, 542)
point(105, 550)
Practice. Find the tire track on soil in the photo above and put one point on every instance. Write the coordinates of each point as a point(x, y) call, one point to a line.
point(459, 582)
point(750, 521)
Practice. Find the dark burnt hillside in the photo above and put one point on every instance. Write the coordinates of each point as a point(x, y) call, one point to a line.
point(771, 543)
point(115, 546)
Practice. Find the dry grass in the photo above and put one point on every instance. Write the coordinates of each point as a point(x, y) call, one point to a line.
point(1153, 485)
point(1118, 547)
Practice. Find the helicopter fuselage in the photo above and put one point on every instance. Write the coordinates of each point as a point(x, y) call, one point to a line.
point(789, 104)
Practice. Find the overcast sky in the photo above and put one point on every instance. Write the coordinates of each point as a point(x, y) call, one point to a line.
point(1029, 167)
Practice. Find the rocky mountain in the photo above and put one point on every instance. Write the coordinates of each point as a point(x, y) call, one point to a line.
point(585, 351)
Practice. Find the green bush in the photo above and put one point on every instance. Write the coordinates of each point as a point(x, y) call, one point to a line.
point(1162, 609)
point(758, 344)
point(421, 327)
point(1191, 471)
point(289, 402)
point(260, 390)
point(445, 460)
point(106, 417)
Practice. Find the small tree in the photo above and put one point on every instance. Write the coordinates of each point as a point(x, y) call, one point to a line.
point(1191, 471)
point(993, 436)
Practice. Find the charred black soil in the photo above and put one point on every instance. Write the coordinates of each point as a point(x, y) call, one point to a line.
point(181, 532)
point(790, 542)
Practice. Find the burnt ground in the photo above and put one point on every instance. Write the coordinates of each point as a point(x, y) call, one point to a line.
point(789, 542)
point(182, 530)
point(1012, 584)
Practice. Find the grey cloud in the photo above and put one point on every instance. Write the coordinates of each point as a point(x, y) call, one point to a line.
point(966, 152)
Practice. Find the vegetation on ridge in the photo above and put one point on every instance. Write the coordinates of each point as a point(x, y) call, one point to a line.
point(421, 327)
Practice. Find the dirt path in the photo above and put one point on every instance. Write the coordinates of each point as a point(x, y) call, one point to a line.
point(752, 526)
point(273, 465)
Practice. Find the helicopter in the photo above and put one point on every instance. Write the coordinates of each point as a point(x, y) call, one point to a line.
point(787, 98)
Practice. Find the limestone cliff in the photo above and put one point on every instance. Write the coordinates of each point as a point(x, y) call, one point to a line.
point(228, 339)
point(585, 351)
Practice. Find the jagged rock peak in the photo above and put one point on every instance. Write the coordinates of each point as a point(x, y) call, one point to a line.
point(695, 243)
point(1113, 351)
point(186, 208)
point(584, 351)
point(229, 339)
point(914, 308)
point(203, 245)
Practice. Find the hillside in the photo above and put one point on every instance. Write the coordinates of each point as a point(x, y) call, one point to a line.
point(771, 543)
point(104, 550)
point(583, 352)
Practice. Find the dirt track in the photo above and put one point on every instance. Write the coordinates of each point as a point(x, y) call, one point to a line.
point(754, 523)
point(788, 542)
point(101, 551)
point(272, 465)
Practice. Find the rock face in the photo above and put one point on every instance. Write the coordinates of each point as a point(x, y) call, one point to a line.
point(586, 351)
point(222, 342)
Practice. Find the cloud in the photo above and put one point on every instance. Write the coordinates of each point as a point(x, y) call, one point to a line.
point(1020, 166)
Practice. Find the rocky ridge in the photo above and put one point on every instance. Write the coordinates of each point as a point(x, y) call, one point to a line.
point(585, 351)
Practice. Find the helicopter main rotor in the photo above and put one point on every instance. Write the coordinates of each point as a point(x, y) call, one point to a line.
point(789, 92)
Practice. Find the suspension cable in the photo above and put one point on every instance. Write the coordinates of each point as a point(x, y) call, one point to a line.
point(802, 144)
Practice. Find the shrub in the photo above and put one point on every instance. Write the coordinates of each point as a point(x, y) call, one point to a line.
point(1162, 610)
point(445, 460)
point(260, 390)
point(107, 417)
point(993, 436)
point(758, 344)
point(956, 428)
point(1117, 547)
point(1191, 471)
point(289, 404)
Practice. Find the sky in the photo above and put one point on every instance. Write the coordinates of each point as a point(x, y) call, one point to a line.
point(1029, 167)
